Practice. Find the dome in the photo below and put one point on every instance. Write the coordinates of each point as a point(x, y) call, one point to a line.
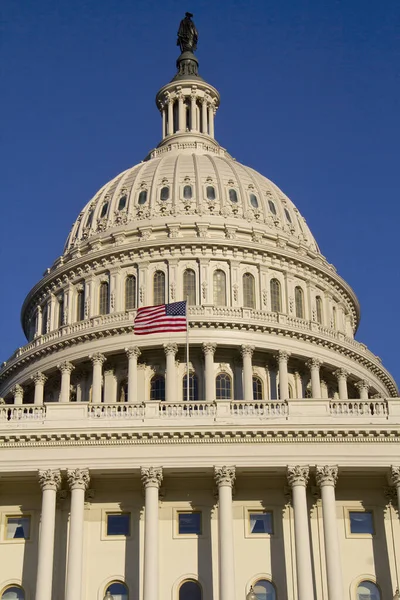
point(200, 183)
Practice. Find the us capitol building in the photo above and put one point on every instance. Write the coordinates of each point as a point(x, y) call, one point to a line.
point(278, 478)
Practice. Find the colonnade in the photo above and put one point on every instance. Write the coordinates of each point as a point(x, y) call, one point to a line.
point(318, 387)
point(193, 112)
point(297, 476)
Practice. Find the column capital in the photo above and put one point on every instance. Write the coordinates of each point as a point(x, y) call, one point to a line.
point(395, 475)
point(225, 475)
point(17, 390)
point(39, 378)
point(170, 348)
point(282, 356)
point(78, 479)
point(133, 351)
point(341, 373)
point(151, 476)
point(209, 347)
point(327, 475)
point(314, 363)
point(49, 479)
point(98, 358)
point(363, 384)
point(65, 367)
point(246, 350)
point(298, 475)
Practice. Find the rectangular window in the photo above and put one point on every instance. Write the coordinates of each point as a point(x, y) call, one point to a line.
point(18, 527)
point(361, 522)
point(119, 524)
point(261, 522)
point(189, 523)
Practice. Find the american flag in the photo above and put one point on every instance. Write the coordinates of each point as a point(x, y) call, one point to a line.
point(159, 319)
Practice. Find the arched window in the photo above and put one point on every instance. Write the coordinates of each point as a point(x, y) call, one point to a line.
point(61, 310)
point(13, 592)
point(117, 590)
point(219, 288)
point(367, 590)
point(233, 196)
point(334, 319)
point(157, 388)
point(299, 302)
point(287, 215)
point(80, 305)
point(253, 201)
point(264, 590)
point(223, 387)
point(210, 191)
point(130, 292)
point(275, 289)
point(257, 388)
point(159, 288)
point(249, 292)
point(318, 307)
point(193, 387)
point(104, 210)
point(187, 192)
point(45, 316)
point(104, 304)
point(89, 219)
point(122, 202)
point(190, 590)
point(164, 193)
point(272, 207)
point(189, 286)
point(142, 197)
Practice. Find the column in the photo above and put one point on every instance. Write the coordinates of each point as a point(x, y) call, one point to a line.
point(211, 119)
point(324, 390)
point(50, 481)
point(326, 477)
point(18, 392)
point(247, 353)
point(97, 362)
point(363, 387)
point(395, 479)
point(181, 113)
point(39, 317)
point(110, 387)
point(133, 354)
point(283, 358)
point(151, 479)
point(66, 369)
point(39, 380)
point(225, 477)
point(298, 478)
point(209, 378)
point(314, 365)
point(170, 116)
point(341, 375)
point(163, 117)
point(78, 481)
point(170, 352)
point(204, 128)
point(193, 123)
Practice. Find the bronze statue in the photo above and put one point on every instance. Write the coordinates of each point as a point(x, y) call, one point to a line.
point(187, 34)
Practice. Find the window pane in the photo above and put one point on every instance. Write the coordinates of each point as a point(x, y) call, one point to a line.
point(257, 388)
point(61, 311)
point(264, 590)
point(142, 197)
point(368, 591)
point(210, 192)
point(187, 192)
point(193, 387)
point(13, 593)
point(164, 193)
point(18, 528)
point(261, 522)
point(223, 387)
point(190, 590)
point(299, 302)
point(318, 305)
point(275, 289)
point(118, 590)
point(159, 288)
point(233, 196)
point(189, 286)
point(89, 219)
point(219, 288)
point(249, 299)
point(157, 388)
point(122, 202)
point(287, 215)
point(189, 523)
point(361, 522)
point(104, 308)
point(118, 524)
point(130, 292)
point(80, 306)
point(104, 209)
point(272, 207)
point(253, 200)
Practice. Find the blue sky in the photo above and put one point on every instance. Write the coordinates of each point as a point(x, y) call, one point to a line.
point(309, 97)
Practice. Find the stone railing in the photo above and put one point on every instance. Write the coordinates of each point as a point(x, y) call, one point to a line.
point(186, 409)
point(18, 413)
point(120, 410)
point(355, 408)
point(259, 409)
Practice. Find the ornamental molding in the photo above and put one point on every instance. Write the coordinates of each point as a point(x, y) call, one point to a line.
point(133, 351)
point(170, 349)
point(246, 350)
point(78, 479)
point(65, 367)
point(326, 475)
point(314, 363)
point(224, 476)
point(298, 475)
point(151, 476)
point(97, 358)
point(341, 374)
point(395, 475)
point(50, 479)
point(39, 378)
point(209, 348)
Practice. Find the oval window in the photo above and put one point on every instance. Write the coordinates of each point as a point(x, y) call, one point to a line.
point(287, 215)
point(164, 193)
point(187, 192)
point(210, 192)
point(272, 207)
point(233, 196)
point(253, 200)
point(104, 209)
point(122, 202)
point(142, 197)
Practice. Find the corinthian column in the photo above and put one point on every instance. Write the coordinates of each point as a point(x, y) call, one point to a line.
point(298, 478)
point(151, 478)
point(97, 361)
point(209, 383)
point(283, 358)
point(225, 477)
point(341, 375)
point(39, 379)
point(326, 478)
point(66, 369)
point(247, 353)
point(50, 481)
point(170, 116)
point(170, 352)
point(314, 365)
point(78, 480)
point(133, 354)
point(363, 387)
point(395, 478)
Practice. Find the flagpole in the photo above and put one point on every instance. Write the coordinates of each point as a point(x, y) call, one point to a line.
point(187, 349)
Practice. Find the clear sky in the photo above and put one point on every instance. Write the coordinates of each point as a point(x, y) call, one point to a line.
point(309, 97)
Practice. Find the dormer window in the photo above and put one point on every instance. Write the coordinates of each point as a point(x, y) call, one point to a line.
point(164, 193)
point(104, 210)
point(187, 192)
point(253, 201)
point(287, 215)
point(122, 202)
point(210, 190)
point(272, 207)
point(142, 197)
point(233, 196)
